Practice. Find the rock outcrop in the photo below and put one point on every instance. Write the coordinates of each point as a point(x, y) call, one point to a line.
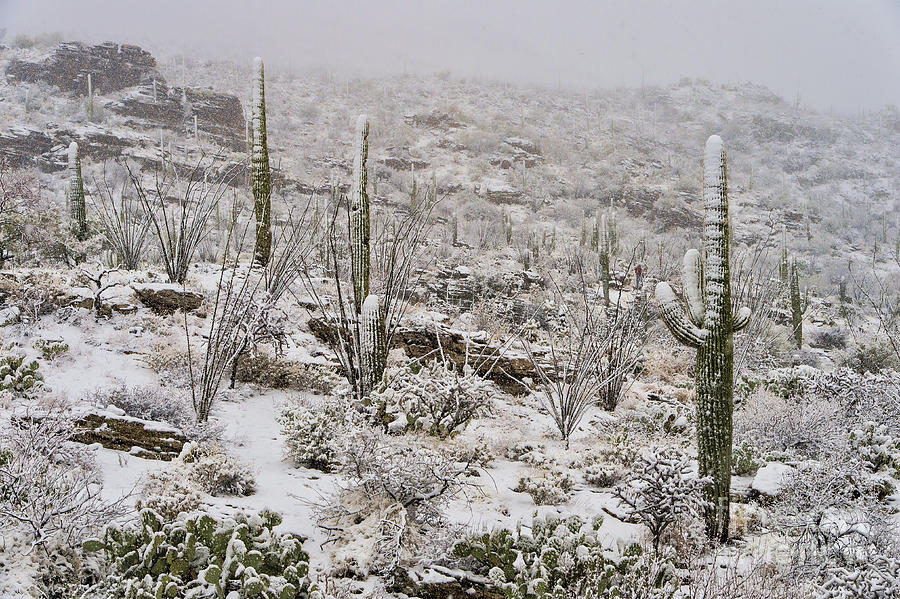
point(167, 299)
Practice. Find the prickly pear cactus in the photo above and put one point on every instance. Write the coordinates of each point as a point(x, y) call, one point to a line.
point(709, 326)
point(198, 555)
point(261, 175)
point(75, 195)
point(19, 376)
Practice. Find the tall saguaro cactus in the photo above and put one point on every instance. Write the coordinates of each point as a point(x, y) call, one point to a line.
point(373, 346)
point(604, 235)
point(360, 255)
point(75, 195)
point(261, 174)
point(797, 303)
point(709, 326)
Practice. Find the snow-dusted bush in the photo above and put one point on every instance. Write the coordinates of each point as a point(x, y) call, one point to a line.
point(563, 558)
point(50, 349)
point(550, 488)
point(660, 490)
point(834, 514)
point(603, 476)
point(805, 427)
point(436, 398)
point(876, 448)
point(870, 357)
point(529, 452)
point(19, 375)
point(215, 470)
point(390, 511)
point(311, 434)
point(878, 579)
point(169, 493)
point(50, 488)
point(147, 402)
point(199, 555)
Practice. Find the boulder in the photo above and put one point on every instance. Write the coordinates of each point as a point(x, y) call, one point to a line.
point(166, 299)
point(145, 438)
point(438, 582)
point(770, 479)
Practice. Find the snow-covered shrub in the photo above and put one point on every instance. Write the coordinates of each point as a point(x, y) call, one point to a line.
point(805, 427)
point(50, 350)
point(833, 514)
point(311, 434)
point(870, 357)
point(529, 452)
point(390, 511)
point(876, 447)
point(50, 488)
point(199, 555)
point(551, 488)
point(661, 490)
point(147, 402)
point(18, 375)
point(278, 373)
point(559, 559)
point(437, 398)
point(830, 338)
point(878, 579)
point(603, 476)
point(745, 459)
point(215, 470)
point(169, 493)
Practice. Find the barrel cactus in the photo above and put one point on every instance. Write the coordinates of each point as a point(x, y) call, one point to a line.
point(708, 325)
point(261, 175)
point(75, 195)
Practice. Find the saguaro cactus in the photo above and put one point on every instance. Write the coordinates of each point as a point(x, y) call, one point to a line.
point(261, 174)
point(797, 303)
point(373, 346)
point(604, 247)
point(708, 325)
point(75, 195)
point(359, 215)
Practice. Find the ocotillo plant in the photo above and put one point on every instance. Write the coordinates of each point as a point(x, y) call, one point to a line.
point(797, 303)
point(75, 195)
point(360, 254)
point(709, 326)
point(261, 174)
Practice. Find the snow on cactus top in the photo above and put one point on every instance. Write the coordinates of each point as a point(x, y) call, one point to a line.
point(73, 154)
point(713, 161)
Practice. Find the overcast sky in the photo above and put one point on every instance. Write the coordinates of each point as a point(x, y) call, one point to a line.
point(839, 54)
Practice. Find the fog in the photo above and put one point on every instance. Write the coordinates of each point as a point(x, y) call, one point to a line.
point(835, 54)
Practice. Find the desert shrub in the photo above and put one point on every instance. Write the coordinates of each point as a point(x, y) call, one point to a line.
point(551, 488)
point(390, 510)
point(809, 428)
point(876, 448)
point(661, 490)
point(745, 459)
point(278, 373)
point(563, 558)
point(50, 488)
point(50, 350)
point(19, 375)
point(169, 493)
point(215, 470)
point(529, 452)
point(603, 476)
point(198, 555)
point(878, 579)
point(436, 398)
point(830, 338)
point(147, 402)
point(873, 357)
point(311, 434)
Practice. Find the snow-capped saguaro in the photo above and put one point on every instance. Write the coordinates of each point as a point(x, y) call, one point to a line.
point(709, 326)
point(261, 174)
point(373, 344)
point(359, 215)
point(75, 195)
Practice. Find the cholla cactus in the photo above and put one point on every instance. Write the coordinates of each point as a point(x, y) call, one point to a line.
point(372, 344)
point(359, 215)
point(709, 326)
point(75, 195)
point(261, 175)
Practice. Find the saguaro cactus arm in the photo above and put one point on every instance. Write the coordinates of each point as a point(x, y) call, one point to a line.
point(675, 319)
point(741, 319)
point(692, 272)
